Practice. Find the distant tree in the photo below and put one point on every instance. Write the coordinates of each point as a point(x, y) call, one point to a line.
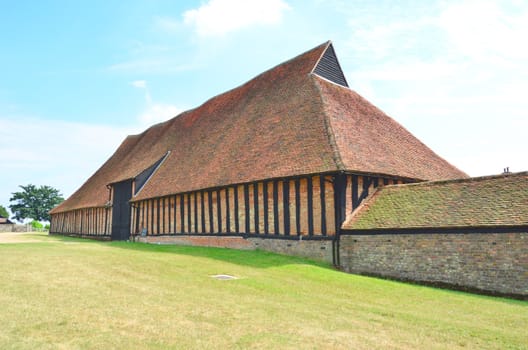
point(34, 202)
point(3, 212)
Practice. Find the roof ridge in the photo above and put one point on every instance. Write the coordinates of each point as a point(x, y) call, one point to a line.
point(462, 180)
point(329, 131)
point(327, 43)
point(238, 87)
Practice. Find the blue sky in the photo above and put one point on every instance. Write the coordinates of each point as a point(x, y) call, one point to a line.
point(76, 77)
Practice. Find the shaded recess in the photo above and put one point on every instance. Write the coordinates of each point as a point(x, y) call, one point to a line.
point(143, 177)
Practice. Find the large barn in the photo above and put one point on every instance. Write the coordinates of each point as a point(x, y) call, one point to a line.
point(277, 163)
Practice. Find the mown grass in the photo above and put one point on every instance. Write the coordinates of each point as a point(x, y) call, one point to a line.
point(67, 293)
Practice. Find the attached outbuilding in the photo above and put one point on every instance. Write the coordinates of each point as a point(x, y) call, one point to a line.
point(468, 233)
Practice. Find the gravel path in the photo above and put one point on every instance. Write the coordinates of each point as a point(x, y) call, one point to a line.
point(17, 237)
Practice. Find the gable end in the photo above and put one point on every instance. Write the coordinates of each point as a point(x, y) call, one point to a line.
point(328, 67)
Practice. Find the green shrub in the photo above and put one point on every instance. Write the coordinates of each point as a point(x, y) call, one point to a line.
point(36, 225)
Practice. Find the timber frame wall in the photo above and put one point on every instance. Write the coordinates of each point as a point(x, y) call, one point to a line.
point(304, 206)
point(96, 222)
point(276, 208)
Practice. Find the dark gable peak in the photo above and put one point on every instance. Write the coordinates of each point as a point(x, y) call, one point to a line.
point(328, 67)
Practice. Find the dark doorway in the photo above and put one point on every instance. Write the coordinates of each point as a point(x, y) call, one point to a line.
point(121, 210)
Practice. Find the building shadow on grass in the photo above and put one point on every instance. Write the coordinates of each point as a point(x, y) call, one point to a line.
point(251, 258)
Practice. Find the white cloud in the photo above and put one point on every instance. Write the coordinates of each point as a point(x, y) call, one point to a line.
point(63, 154)
point(379, 41)
point(56, 153)
point(142, 84)
point(410, 71)
point(455, 77)
point(158, 112)
point(154, 112)
point(486, 30)
point(219, 17)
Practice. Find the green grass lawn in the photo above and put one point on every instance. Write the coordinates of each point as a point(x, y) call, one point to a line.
point(62, 293)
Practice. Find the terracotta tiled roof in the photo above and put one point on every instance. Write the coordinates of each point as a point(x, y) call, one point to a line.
point(286, 121)
point(368, 140)
point(500, 200)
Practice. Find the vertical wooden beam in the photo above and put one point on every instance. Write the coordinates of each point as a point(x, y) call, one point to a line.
point(298, 206)
point(310, 206)
point(158, 216)
point(228, 211)
point(175, 214)
point(210, 204)
point(256, 207)
point(219, 210)
point(286, 206)
point(82, 221)
point(276, 207)
point(189, 226)
point(355, 191)
point(164, 218)
point(246, 207)
point(141, 214)
point(340, 184)
point(322, 193)
point(195, 204)
point(235, 196)
point(144, 218)
point(168, 215)
point(226, 207)
point(149, 217)
point(138, 215)
point(202, 204)
point(265, 204)
point(182, 214)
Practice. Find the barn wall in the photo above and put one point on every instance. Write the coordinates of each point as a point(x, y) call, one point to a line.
point(301, 206)
point(281, 215)
point(484, 261)
point(96, 222)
